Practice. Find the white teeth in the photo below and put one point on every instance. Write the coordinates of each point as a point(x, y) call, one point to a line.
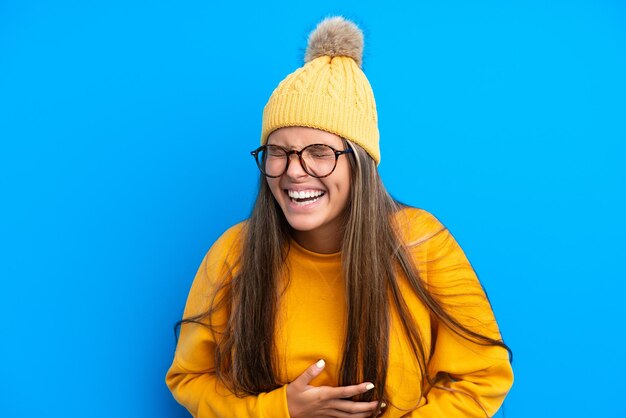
point(304, 195)
point(311, 196)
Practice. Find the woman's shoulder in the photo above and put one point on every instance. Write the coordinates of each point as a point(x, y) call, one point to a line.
point(232, 234)
point(228, 246)
point(417, 225)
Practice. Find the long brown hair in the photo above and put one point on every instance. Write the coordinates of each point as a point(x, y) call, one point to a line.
point(245, 353)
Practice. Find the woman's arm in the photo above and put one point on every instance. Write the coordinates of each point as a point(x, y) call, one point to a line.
point(195, 386)
point(191, 378)
point(472, 378)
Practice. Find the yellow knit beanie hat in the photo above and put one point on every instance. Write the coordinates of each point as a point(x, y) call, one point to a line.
point(330, 92)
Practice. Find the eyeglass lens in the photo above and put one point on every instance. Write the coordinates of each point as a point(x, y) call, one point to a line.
point(317, 160)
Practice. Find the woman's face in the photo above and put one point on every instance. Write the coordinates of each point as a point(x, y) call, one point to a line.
point(317, 219)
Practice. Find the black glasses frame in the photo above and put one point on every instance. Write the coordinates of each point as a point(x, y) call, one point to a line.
point(257, 152)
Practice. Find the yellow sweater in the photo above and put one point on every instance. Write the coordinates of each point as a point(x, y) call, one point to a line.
point(311, 323)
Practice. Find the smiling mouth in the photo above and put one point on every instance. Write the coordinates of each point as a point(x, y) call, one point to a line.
point(303, 198)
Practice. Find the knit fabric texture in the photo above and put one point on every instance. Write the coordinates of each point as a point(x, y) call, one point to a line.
point(330, 93)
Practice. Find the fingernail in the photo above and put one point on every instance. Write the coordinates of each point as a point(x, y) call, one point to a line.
point(369, 386)
point(320, 364)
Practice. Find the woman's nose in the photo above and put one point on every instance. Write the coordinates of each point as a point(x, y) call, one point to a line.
point(294, 167)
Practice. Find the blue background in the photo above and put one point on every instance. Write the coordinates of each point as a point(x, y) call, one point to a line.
point(125, 129)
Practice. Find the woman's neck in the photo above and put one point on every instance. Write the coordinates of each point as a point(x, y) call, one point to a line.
point(322, 242)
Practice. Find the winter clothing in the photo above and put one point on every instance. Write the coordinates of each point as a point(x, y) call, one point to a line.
point(474, 379)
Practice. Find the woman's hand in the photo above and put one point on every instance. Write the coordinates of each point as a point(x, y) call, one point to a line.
point(306, 401)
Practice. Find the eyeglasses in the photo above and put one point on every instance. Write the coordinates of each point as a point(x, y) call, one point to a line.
point(317, 160)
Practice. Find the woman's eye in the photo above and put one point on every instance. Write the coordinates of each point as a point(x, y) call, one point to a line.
point(275, 153)
point(321, 152)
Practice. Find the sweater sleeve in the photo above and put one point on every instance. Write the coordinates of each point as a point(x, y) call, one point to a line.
point(191, 378)
point(472, 379)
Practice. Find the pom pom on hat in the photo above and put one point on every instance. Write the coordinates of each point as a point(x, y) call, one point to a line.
point(335, 37)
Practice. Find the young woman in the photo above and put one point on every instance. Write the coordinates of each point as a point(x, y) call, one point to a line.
point(332, 299)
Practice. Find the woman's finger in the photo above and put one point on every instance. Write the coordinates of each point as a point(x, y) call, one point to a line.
point(348, 391)
point(353, 407)
point(310, 373)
